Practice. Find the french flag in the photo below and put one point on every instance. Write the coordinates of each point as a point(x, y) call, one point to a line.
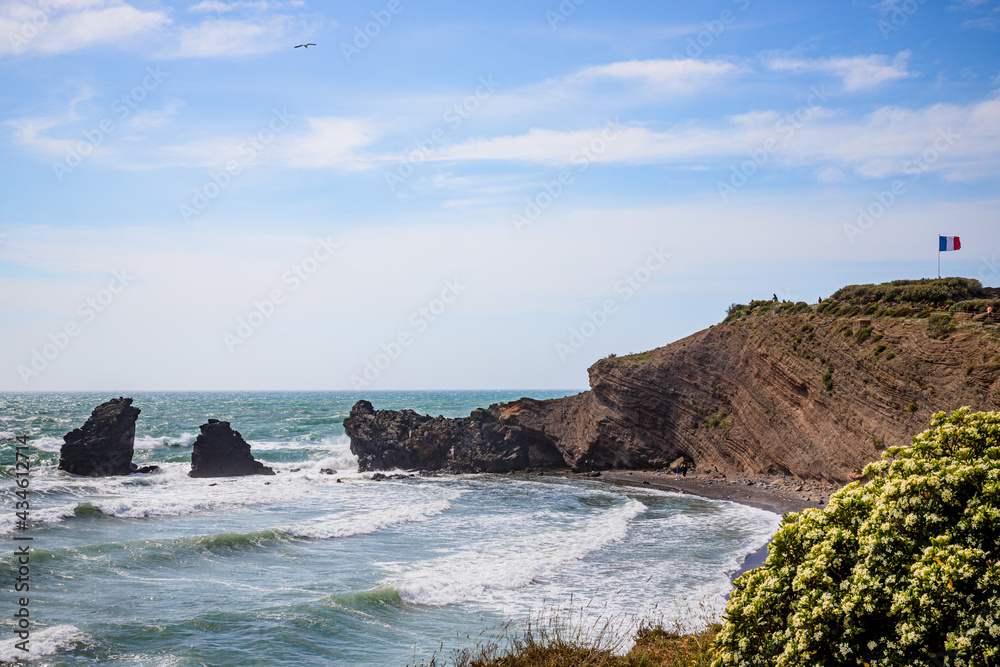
point(949, 243)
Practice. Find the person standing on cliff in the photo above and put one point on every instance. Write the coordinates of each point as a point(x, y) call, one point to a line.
point(451, 453)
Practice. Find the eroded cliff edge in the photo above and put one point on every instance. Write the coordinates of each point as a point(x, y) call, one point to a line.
point(810, 391)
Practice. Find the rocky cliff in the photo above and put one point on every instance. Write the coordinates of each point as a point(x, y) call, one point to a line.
point(220, 451)
point(104, 444)
point(810, 391)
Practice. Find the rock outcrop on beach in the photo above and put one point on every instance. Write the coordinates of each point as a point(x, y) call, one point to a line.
point(104, 444)
point(482, 442)
point(222, 452)
point(814, 392)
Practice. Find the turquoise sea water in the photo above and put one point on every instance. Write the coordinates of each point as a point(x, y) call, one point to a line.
point(299, 569)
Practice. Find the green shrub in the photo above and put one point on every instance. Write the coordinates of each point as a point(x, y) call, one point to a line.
point(913, 406)
point(880, 349)
point(940, 325)
point(863, 334)
point(891, 355)
point(890, 572)
point(719, 419)
point(927, 290)
point(902, 311)
point(976, 306)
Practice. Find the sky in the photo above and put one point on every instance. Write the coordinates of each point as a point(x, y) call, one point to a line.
point(455, 195)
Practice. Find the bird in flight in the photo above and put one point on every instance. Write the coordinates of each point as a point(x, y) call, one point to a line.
point(305, 45)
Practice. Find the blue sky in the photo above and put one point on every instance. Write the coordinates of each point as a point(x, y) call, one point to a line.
point(447, 195)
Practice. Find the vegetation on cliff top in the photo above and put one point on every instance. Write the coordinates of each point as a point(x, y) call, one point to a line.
point(899, 298)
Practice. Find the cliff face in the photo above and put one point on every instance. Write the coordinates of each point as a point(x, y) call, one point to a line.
point(104, 444)
point(804, 393)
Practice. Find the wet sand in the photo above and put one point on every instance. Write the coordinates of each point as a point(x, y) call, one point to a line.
point(776, 494)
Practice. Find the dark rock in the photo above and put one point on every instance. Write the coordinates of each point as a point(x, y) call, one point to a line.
point(485, 441)
point(378, 477)
point(148, 469)
point(327, 471)
point(104, 444)
point(297, 470)
point(222, 452)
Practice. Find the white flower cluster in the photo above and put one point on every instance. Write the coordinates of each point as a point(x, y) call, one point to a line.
point(902, 571)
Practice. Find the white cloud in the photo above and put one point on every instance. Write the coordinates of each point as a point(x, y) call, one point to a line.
point(857, 72)
point(329, 142)
point(146, 120)
point(664, 75)
point(886, 142)
point(223, 7)
point(222, 37)
point(63, 27)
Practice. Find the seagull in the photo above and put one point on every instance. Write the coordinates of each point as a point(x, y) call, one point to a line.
point(305, 45)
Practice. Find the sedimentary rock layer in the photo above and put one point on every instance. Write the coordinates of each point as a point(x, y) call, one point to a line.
point(806, 394)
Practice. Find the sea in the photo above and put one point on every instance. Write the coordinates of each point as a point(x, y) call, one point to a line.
point(305, 568)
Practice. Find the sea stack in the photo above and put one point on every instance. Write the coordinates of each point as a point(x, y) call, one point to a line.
point(104, 445)
point(485, 441)
point(222, 452)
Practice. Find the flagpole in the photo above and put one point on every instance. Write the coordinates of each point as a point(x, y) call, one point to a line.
point(939, 256)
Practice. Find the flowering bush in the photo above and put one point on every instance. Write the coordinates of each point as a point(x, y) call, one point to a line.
point(902, 571)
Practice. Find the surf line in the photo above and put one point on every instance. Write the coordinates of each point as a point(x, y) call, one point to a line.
point(22, 552)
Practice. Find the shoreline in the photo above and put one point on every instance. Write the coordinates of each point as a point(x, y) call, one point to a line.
point(776, 494)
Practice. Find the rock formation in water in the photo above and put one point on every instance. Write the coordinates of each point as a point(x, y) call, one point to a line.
point(482, 442)
point(222, 452)
point(778, 388)
point(104, 444)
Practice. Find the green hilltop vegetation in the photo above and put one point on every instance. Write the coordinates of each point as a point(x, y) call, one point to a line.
point(899, 298)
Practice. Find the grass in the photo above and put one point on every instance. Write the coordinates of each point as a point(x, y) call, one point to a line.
point(562, 638)
point(719, 419)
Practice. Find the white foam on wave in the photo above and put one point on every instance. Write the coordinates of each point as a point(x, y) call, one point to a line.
point(506, 564)
point(46, 443)
point(6, 435)
point(155, 442)
point(329, 443)
point(46, 641)
point(365, 523)
point(173, 493)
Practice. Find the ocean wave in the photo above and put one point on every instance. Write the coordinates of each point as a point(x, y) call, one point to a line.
point(365, 523)
point(512, 563)
point(47, 443)
point(155, 442)
point(173, 493)
point(46, 641)
point(373, 597)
